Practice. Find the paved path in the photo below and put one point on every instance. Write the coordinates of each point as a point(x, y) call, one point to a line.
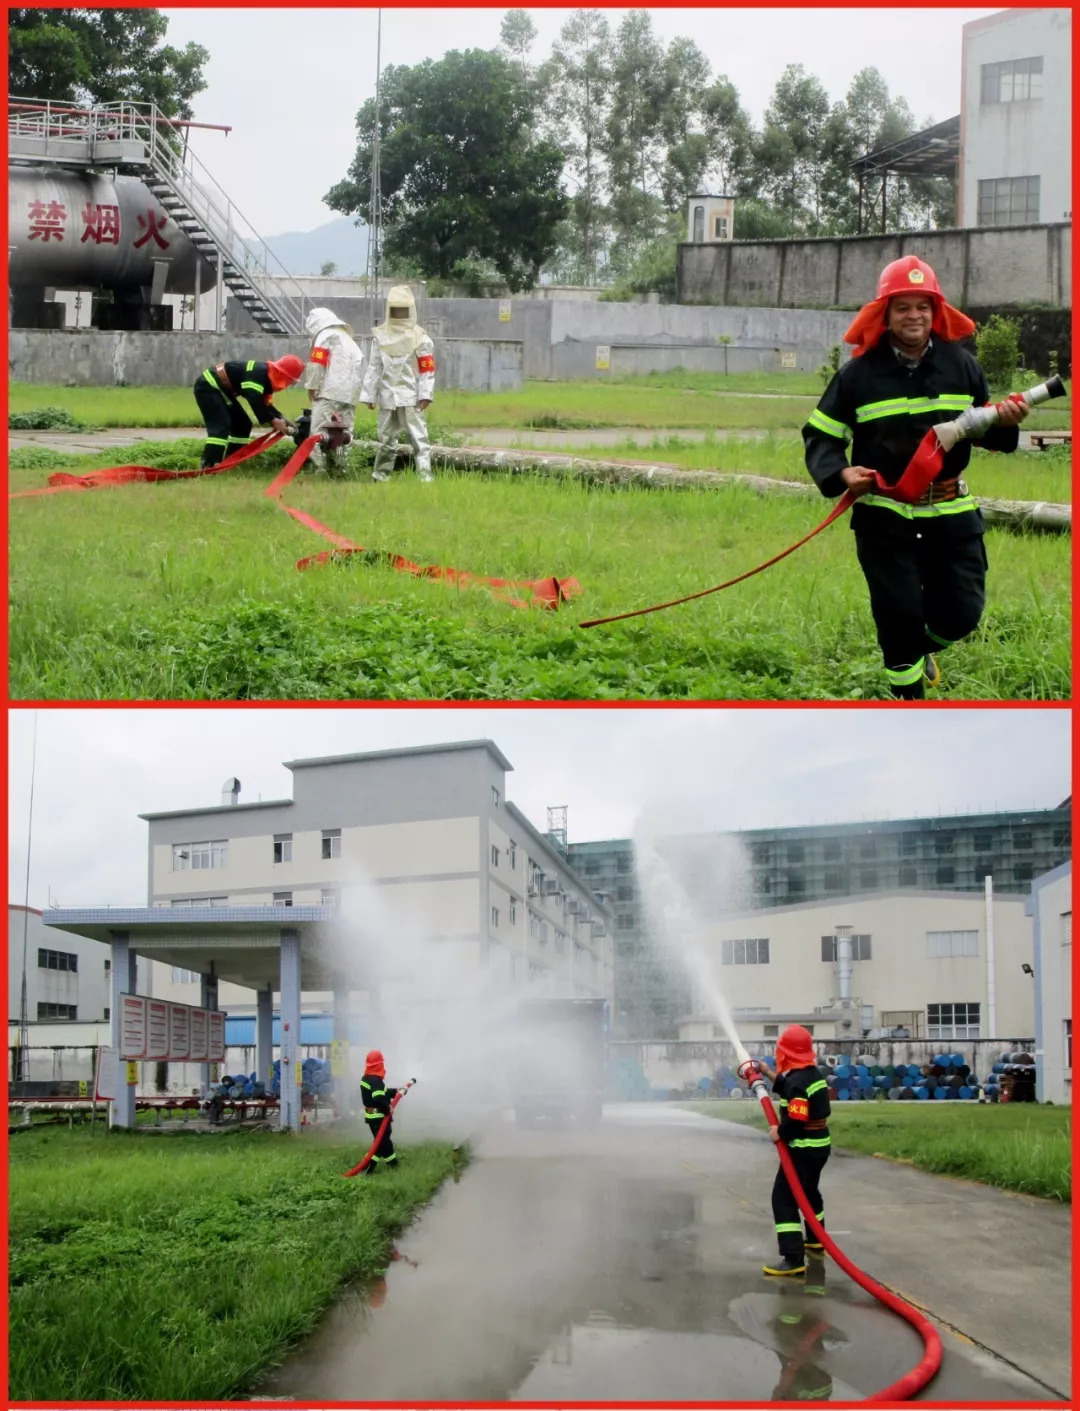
point(623, 1263)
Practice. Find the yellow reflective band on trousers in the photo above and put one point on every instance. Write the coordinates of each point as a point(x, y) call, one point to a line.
point(941, 641)
point(913, 406)
point(820, 422)
point(795, 1229)
point(906, 675)
point(961, 505)
point(816, 1087)
point(811, 1141)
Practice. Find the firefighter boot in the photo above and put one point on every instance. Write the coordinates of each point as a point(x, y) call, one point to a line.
point(785, 1267)
point(931, 671)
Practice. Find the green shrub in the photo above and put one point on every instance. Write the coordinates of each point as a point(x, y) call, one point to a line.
point(45, 419)
point(997, 345)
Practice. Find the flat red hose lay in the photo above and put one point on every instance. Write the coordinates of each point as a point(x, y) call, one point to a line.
point(520, 593)
point(905, 1387)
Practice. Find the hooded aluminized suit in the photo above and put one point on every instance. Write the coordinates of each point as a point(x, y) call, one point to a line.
point(400, 375)
point(333, 377)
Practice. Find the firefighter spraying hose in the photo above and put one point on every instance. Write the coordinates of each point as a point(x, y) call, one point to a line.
point(380, 1135)
point(912, 1382)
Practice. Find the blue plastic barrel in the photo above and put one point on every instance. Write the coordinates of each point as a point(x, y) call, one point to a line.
point(843, 1095)
point(965, 1094)
point(922, 1093)
point(940, 1094)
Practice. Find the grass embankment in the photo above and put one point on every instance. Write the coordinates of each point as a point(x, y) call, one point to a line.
point(188, 590)
point(179, 1268)
point(664, 400)
point(1019, 1147)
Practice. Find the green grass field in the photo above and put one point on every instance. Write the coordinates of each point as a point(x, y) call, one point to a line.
point(1019, 1147)
point(181, 1267)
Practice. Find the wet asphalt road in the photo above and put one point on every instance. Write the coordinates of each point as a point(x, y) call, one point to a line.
point(623, 1263)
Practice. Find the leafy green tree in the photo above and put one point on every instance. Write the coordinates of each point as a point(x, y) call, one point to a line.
point(462, 176)
point(729, 133)
point(684, 80)
point(632, 131)
point(102, 56)
point(517, 33)
point(577, 84)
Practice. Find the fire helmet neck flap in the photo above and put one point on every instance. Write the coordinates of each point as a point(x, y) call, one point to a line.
point(795, 1049)
point(285, 371)
point(398, 337)
point(374, 1063)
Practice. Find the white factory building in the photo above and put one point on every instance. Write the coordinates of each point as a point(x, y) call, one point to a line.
point(941, 966)
point(1016, 119)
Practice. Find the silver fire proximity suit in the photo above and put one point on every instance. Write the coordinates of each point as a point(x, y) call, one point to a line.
point(333, 377)
point(400, 381)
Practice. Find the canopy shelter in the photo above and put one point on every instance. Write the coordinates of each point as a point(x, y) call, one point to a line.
point(932, 152)
point(265, 948)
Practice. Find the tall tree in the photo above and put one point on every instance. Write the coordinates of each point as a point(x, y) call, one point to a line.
point(789, 156)
point(462, 176)
point(632, 130)
point(729, 132)
point(685, 157)
point(517, 33)
point(102, 56)
point(577, 84)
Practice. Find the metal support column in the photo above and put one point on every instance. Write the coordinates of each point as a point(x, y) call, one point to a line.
point(291, 1075)
point(339, 1048)
point(264, 1035)
point(208, 1000)
point(122, 1113)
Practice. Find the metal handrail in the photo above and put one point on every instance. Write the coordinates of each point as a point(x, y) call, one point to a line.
point(166, 152)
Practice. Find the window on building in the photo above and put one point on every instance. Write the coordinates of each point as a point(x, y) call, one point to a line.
point(494, 855)
point(56, 1011)
point(796, 884)
point(908, 876)
point(771, 1031)
point(494, 797)
point(625, 894)
point(625, 923)
point(283, 899)
point(720, 227)
point(512, 853)
point(283, 847)
point(108, 1013)
point(1068, 1046)
point(945, 945)
point(495, 916)
point(108, 964)
point(1022, 839)
point(331, 843)
point(752, 952)
point(199, 901)
point(860, 948)
point(57, 960)
point(952, 1021)
point(909, 844)
point(329, 896)
point(868, 879)
point(624, 863)
point(834, 880)
point(513, 911)
point(1023, 872)
point(1012, 81)
point(945, 875)
point(868, 847)
point(699, 225)
point(944, 844)
point(183, 977)
point(832, 852)
point(760, 853)
point(1066, 928)
point(1009, 200)
point(199, 857)
point(1062, 837)
point(796, 852)
point(983, 840)
point(560, 941)
point(592, 867)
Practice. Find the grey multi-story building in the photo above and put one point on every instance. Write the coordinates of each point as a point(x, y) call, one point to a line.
point(770, 867)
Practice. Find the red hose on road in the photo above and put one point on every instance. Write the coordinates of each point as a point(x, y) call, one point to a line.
point(927, 1368)
point(361, 1165)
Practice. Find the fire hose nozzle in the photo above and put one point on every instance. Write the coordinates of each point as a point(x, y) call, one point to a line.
point(976, 421)
point(748, 1070)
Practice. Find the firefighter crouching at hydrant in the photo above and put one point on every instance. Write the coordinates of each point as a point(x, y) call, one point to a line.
point(333, 378)
point(376, 1097)
point(925, 564)
point(217, 393)
point(400, 382)
point(801, 1097)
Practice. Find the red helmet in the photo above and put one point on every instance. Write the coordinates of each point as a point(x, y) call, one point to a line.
point(285, 371)
point(908, 275)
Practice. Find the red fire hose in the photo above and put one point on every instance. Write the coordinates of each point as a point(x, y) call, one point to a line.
point(362, 1165)
point(927, 1368)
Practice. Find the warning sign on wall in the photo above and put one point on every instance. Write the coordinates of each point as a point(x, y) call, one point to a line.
point(132, 1026)
point(603, 357)
point(787, 359)
point(504, 310)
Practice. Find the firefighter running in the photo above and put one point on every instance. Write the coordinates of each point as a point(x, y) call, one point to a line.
point(925, 564)
point(377, 1098)
point(400, 381)
point(217, 393)
point(333, 379)
point(801, 1096)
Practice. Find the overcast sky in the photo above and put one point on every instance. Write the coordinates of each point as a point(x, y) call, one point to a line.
point(613, 768)
point(290, 81)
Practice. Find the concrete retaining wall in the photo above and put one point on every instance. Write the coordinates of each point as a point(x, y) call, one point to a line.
point(1000, 266)
point(86, 357)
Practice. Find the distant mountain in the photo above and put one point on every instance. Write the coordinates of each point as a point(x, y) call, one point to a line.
point(340, 241)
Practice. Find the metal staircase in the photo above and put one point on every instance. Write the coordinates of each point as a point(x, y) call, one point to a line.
point(137, 139)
